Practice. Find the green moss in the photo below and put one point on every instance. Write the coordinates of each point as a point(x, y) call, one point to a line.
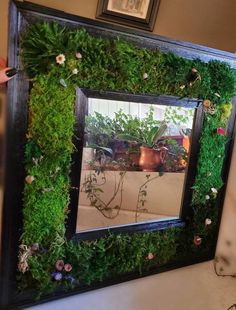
point(122, 65)
point(48, 151)
point(51, 130)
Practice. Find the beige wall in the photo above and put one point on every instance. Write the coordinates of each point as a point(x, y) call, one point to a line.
point(206, 22)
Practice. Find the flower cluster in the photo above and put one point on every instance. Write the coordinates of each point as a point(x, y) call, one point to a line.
point(62, 272)
point(213, 194)
point(60, 59)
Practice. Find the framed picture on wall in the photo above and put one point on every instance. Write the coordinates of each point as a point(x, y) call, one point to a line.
point(135, 13)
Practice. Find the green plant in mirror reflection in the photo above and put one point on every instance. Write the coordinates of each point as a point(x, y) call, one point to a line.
point(93, 188)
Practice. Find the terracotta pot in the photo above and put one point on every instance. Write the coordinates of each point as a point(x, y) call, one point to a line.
point(151, 159)
point(134, 157)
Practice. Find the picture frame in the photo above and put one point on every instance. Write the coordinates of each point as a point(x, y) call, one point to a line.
point(136, 13)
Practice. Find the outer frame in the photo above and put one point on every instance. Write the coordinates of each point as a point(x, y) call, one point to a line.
point(146, 23)
point(25, 13)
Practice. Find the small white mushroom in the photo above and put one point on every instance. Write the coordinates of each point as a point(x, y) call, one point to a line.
point(29, 179)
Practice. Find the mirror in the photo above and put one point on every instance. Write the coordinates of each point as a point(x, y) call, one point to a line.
point(134, 163)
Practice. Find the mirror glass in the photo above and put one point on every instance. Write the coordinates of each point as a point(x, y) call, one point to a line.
point(134, 163)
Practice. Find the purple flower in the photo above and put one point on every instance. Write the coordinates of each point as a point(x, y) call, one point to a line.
point(57, 276)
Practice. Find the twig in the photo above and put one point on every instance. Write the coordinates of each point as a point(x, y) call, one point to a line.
point(140, 194)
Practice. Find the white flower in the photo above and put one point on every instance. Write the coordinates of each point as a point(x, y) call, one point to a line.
point(60, 59)
point(208, 221)
point(214, 190)
point(182, 87)
point(29, 179)
point(207, 197)
point(75, 71)
point(78, 55)
point(145, 76)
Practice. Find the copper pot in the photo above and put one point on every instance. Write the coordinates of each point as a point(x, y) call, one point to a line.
point(151, 159)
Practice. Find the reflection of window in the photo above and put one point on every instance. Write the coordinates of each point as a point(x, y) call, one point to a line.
point(132, 160)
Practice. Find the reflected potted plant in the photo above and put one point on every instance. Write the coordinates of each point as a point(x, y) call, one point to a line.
point(98, 133)
point(177, 157)
point(152, 150)
point(120, 138)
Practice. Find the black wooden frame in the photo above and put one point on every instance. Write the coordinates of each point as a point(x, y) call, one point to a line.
point(22, 14)
point(146, 23)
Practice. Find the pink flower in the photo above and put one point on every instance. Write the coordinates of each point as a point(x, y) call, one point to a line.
point(68, 267)
point(29, 179)
point(197, 240)
point(220, 131)
point(150, 256)
point(59, 265)
point(78, 55)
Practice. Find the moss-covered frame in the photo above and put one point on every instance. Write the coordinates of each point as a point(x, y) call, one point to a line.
point(115, 257)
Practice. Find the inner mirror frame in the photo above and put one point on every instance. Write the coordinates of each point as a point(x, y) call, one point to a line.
point(81, 109)
point(191, 248)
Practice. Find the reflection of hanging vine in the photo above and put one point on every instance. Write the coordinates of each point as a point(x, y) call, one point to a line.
point(93, 190)
point(142, 193)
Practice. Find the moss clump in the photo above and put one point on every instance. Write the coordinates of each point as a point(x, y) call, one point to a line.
point(48, 156)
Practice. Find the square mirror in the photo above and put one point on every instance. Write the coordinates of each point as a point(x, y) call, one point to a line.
point(134, 163)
